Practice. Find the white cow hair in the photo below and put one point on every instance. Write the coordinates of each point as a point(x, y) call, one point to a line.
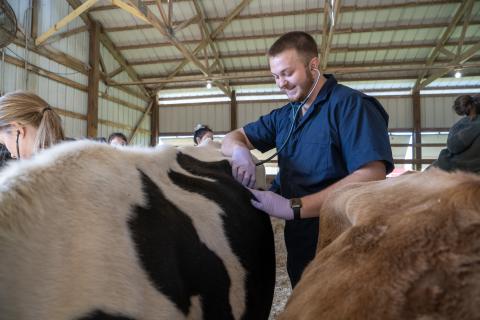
point(46, 252)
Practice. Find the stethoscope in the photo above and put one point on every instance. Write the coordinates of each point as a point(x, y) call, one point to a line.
point(294, 117)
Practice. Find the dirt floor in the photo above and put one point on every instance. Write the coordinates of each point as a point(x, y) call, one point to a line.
point(282, 285)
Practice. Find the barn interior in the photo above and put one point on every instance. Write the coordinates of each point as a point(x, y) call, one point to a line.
point(155, 69)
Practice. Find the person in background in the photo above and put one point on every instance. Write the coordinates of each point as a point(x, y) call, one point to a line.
point(28, 124)
point(4, 155)
point(201, 133)
point(332, 135)
point(463, 142)
point(117, 139)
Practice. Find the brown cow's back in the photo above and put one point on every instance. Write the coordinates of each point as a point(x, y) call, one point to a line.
point(413, 252)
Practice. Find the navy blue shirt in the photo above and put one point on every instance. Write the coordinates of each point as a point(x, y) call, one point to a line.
point(342, 131)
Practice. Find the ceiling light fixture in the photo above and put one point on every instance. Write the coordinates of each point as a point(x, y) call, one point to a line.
point(209, 84)
point(458, 74)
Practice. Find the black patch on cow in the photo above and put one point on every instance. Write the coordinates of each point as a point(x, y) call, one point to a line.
point(176, 261)
point(100, 315)
point(248, 230)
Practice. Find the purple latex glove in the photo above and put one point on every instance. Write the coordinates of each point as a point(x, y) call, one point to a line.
point(273, 204)
point(243, 168)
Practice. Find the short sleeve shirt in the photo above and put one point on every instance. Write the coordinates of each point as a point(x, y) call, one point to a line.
point(342, 131)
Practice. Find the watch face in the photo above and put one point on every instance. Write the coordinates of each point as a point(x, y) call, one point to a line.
point(295, 203)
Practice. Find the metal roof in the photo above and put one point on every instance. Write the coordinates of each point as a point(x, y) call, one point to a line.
point(374, 41)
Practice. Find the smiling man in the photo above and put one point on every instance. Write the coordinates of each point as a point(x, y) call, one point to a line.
point(327, 135)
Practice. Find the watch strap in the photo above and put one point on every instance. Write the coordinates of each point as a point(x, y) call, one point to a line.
point(296, 205)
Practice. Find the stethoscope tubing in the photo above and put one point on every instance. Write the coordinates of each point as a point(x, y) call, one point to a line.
point(292, 127)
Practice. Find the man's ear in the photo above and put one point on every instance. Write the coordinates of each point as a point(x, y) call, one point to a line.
point(314, 63)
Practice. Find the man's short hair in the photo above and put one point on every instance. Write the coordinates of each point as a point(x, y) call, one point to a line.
point(298, 40)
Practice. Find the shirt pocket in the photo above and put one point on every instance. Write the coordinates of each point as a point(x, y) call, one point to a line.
point(316, 151)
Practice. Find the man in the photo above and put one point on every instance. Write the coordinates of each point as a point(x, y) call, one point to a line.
point(338, 136)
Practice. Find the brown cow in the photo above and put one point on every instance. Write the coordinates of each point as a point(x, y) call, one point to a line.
point(404, 248)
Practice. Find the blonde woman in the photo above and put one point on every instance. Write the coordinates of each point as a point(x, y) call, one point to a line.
point(28, 124)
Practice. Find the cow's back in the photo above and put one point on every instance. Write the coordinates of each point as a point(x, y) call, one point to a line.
point(412, 251)
point(87, 230)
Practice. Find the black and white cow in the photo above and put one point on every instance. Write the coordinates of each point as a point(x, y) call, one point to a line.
point(89, 231)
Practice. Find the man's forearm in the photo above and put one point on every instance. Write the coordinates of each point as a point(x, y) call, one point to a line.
point(232, 139)
point(312, 204)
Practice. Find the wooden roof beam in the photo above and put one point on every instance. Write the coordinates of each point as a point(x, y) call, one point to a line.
point(324, 31)
point(55, 55)
point(65, 34)
point(140, 121)
point(337, 69)
point(332, 50)
point(102, 64)
point(345, 8)
point(447, 53)
point(466, 22)
point(64, 21)
point(115, 72)
point(332, 18)
point(341, 78)
point(312, 32)
point(185, 23)
point(457, 61)
point(170, 12)
point(163, 14)
point(206, 31)
point(151, 18)
point(235, 12)
point(107, 42)
point(145, 2)
point(441, 42)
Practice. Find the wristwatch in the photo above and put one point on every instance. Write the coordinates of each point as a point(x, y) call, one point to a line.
point(296, 205)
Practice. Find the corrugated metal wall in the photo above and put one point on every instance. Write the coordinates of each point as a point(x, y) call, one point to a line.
point(436, 113)
point(117, 117)
point(182, 119)
point(50, 12)
point(251, 111)
point(118, 111)
point(399, 110)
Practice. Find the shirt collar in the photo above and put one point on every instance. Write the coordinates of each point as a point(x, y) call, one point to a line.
point(326, 89)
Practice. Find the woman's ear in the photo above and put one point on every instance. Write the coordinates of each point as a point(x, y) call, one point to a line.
point(18, 129)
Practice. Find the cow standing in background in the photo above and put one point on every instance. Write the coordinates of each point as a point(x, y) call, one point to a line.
point(404, 248)
point(88, 231)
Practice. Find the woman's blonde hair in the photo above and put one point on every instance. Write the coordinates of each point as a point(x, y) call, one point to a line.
point(27, 108)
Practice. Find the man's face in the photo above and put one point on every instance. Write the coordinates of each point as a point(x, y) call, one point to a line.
point(291, 74)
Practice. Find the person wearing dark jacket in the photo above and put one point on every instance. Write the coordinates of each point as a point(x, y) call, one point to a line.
point(463, 143)
point(4, 155)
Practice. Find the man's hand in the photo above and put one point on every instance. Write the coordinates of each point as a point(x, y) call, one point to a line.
point(273, 204)
point(243, 168)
